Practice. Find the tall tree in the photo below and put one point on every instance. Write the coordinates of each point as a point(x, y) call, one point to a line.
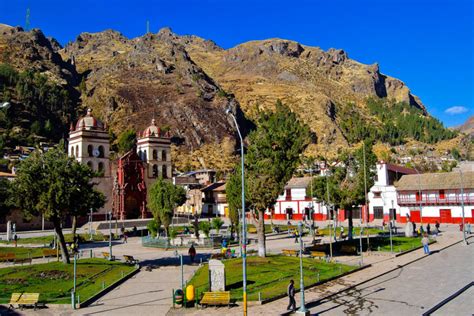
point(56, 186)
point(274, 152)
point(163, 198)
point(233, 190)
point(5, 197)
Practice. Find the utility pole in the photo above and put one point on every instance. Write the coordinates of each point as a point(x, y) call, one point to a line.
point(27, 21)
point(462, 207)
point(365, 191)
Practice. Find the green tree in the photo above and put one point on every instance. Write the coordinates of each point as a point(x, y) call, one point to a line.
point(205, 227)
point(126, 141)
point(5, 197)
point(163, 198)
point(217, 223)
point(233, 190)
point(56, 186)
point(274, 152)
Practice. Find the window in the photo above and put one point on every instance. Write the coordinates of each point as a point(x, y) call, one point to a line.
point(163, 155)
point(155, 154)
point(101, 151)
point(89, 150)
point(393, 214)
point(72, 151)
point(77, 150)
point(418, 196)
point(101, 167)
point(140, 154)
point(90, 165)
point(144, 156)
point(377, 195)
point(155, 171)
point(442, 195)
point(378, 212)
point(164, 173)
point(288, 194)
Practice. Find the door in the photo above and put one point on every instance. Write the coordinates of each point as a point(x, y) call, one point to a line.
point(445, 216)
point(415, 216)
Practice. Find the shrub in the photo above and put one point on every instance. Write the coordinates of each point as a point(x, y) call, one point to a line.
point(217, 223)
point(205, 227)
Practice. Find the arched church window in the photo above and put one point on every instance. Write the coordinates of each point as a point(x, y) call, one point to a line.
point(101, 151)
point(155, 154)
point(144, 156)
point(77, 151)
point(72, 151)
point(163, 155)
point(155, 171)
point(101, 167)
point(163, 172)
point(90, 165)
point(140, 154)
point(89, 150)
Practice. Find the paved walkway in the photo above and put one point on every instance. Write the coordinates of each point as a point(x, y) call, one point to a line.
point(380, 265)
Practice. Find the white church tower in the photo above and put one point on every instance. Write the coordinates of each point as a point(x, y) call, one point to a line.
point(88, 143)
point(154, 148)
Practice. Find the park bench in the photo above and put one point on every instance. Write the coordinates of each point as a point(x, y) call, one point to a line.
point(216, 298)
point(290, 252)
point(49, 253)
point(348, 249)
point(9, 256)
point(24, 299)
point(219, 255)
point(252, 230)
point(316, 241)
point(22, 260)
point(318, 254)
point(130, 259)
point(106, 255)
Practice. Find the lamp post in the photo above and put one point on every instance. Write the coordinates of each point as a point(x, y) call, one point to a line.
point(90, 225)
point(421, 196)
point(302, 309)
point(110, 236)
point(73, 293)
point(244, 228)
point(390, 226)
point(462, 207)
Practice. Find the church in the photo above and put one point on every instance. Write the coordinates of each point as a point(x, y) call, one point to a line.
point(123, 180)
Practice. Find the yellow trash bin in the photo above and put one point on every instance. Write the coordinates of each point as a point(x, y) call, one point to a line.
point(190, 293)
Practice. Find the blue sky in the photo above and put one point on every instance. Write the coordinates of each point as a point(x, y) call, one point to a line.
point(428, 44)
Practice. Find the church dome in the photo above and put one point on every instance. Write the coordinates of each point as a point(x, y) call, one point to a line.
point(152, 130)
point(89, 122)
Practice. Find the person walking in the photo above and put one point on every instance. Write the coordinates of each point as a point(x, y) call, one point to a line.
point(192, 253)
point(15, 238)
point(291, 296)
point(425, 242)
point(437, 226)
point(428, 229)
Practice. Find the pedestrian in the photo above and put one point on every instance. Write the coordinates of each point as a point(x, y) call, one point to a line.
point(437, 226)
point(135, 231)
point(428, 229)
point(15, 238)
point(425, 242)
point(122, 233)
point(192, 253)
point(296, 237)
point(414, 228)
point(291, 295)
point(461, 227)
point(125, 237)
point(468, 228)
point(383, 225)
point(341, 235)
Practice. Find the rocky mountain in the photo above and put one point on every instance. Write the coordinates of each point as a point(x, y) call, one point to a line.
point(467, 127)
point(186, 83)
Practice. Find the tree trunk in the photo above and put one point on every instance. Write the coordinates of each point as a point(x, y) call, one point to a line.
point(261, 233)
point(62, 241)
point(74, 226)
point(196, 227)
point(351, 224)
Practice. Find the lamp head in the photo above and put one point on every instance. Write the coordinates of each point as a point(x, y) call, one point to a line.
point(228, 111)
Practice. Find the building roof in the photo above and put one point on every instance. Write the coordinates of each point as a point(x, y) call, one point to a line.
point(296, 183)
point(184, 180)
point(216, 186)
point(89, 122)
point(435, 181)
point(400, 169)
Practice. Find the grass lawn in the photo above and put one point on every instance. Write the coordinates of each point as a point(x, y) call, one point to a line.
point(46, 240)
point(400, 244)
point(54, 281)
point(355, 231)
point(269, 275)
point(24, 252)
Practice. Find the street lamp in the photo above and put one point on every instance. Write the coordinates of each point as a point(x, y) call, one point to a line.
point(110, 236)
point(462, 207)
point(392, 210)
point(302, 309)
point(244, 228)
point(90, 225)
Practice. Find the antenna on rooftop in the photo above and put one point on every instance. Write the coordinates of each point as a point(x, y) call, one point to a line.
point(27, 22)
point(147, 27)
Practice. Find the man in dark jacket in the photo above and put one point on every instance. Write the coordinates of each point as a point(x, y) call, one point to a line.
point(291, 296)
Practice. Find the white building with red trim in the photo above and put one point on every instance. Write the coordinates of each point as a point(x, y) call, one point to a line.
point(294, 203)
point(383, 194)
point(432, 197)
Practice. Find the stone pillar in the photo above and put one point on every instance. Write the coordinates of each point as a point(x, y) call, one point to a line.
point(216, 276)
point(9, 230)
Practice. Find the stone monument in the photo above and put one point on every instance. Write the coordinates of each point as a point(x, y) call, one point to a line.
point(216, 275)
point(409, 229)
point(9, 231)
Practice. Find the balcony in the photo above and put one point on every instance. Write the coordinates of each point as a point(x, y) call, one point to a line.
point(426, 200)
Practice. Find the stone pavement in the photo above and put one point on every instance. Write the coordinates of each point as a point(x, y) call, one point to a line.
point(380, 265)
